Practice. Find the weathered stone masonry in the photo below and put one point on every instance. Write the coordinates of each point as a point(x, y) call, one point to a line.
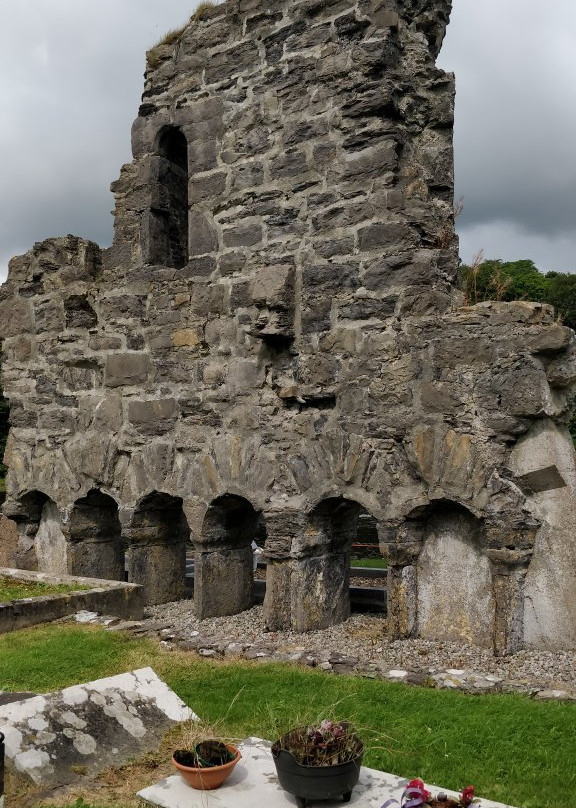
point(273, 342)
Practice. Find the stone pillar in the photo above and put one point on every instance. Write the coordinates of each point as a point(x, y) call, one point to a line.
point(50, 542)
point(319, 591)
point(8, 542)
point(159, 566)
point(277, 600)
point(402, 549)
point(509, 568)
point(26, 513)
point(223, 581)
point(282, 526)
point(223, 569)
point(96, 559)
point(401, 601)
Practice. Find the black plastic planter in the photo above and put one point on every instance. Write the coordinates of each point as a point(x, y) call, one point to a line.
point(309, 783)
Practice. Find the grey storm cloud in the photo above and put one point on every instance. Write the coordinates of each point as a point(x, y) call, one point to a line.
point(71, 76)
point(515, 128)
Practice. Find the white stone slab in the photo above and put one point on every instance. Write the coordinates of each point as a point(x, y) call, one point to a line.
point(93, 725)
point(253, 784)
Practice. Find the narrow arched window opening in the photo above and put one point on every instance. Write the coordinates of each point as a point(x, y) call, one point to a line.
point(169, 231)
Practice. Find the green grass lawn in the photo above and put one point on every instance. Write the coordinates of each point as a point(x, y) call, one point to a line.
point(12, 589)
point(512, 749)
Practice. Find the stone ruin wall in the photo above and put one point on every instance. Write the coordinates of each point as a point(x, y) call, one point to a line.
point(274, 342)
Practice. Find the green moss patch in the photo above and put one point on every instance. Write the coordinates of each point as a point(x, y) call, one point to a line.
point(14, 589)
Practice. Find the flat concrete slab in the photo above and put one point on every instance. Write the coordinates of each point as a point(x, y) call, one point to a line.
point(253, 784)
point(107, 597)
point(56, 738)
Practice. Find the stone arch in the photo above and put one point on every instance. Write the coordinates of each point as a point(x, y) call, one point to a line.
point(156, 547)
point(223, 572)
point(168, 236)
point(314, 584)
point(333, 524)
point(41, 543)
point(94, 538)
point(454, 597)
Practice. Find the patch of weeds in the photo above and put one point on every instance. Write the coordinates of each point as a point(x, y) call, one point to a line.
point(199, 13)
point(155, 56)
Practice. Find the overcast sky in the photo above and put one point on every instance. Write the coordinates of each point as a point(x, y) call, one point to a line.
point(71, 74)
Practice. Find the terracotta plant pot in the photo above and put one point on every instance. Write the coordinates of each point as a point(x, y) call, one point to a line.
point(208, 777)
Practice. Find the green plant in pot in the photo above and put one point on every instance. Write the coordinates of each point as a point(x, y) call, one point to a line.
point(206, 760)
point(319, 762)
point(207, 764)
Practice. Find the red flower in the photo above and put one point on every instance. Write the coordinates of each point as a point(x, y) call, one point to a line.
point(416, 788)
point(467, 795)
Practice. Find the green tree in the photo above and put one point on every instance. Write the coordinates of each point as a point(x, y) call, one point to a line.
point(519, 280)
point(561, 293)
point(502, 280)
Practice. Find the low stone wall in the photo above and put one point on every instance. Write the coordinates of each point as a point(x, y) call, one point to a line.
point(106, 597)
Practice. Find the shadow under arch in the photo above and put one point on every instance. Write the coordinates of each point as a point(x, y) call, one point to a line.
point(156, 542)
point(41, 543)
point(95, 538)
point(223, 568)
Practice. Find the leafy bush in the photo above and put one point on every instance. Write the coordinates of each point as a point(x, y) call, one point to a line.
point(494, 279)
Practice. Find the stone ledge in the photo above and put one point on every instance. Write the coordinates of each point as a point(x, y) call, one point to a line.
point(112, 597)
point(464, 680)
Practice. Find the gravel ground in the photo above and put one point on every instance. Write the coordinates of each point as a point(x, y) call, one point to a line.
point(363, 636)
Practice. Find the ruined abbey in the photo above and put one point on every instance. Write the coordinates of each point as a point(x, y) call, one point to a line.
point(274, 344)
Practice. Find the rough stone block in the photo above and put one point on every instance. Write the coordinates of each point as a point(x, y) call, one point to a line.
point(202, 238)
point(128, 369)
point(186, 337)
point(243, 235)
point(206, 186)
point(544, 479)
point(330, 278)
point(274, 286)
point(154, 416)
point(248, 175)
point(229, 62)
point(384, 234)
point(290, 164)
point(371, 162)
